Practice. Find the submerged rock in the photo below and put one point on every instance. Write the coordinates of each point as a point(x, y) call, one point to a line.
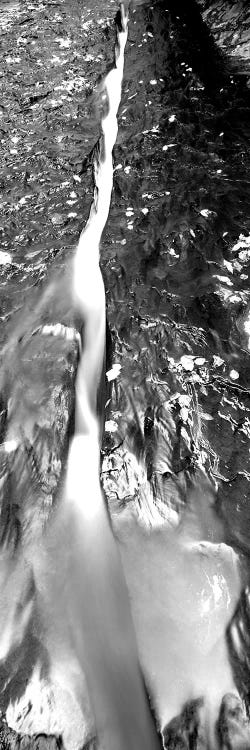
point(187, 730)
point(233, 724)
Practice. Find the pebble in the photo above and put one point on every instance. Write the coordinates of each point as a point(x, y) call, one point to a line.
point(199, 361)
point(110, 426)
point(57, 219)
point(5, 258)
point(234, 374)
point(114, 372)
point(187, 363)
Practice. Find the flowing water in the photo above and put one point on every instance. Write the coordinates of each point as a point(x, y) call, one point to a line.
point(175, 259)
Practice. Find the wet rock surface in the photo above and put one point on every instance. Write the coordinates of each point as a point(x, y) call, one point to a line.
point(175, 258)
point(189, 731)
point(177, 282)
point(229, 23)
point(50, 110)
point(177, 241)
point(49, 126)
point(10, 739)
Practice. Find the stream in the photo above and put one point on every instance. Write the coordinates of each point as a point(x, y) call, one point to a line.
point(174, 255)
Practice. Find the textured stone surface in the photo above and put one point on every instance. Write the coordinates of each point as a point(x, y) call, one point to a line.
point(189, 731)
point(229, 23)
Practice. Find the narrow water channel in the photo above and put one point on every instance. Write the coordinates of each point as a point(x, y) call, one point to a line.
point(175, 455)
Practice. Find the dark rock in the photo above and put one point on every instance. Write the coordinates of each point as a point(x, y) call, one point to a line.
point(233, 725)
point(239, 644)
point(37, 390)
point(229, 23)
point(186, 731)
point(11, 740)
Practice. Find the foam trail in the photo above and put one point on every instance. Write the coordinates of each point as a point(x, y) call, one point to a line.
point(94, 596)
